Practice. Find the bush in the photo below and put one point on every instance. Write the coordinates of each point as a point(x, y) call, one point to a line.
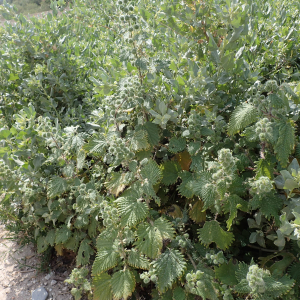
point(158, 141)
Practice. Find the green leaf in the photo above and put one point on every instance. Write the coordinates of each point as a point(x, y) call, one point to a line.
point(4, 134)
point(152, 132)
point(212, 45)
point(242, 116)
point(232, 205)
point(50, 237)
point(80, 159)
point(285, 143)
point(179, 294)
point(84, 253)
point(276, 101)
point(213, 233)
point(226, 273)
point(115, 183)
point(168, 267)
point(131, 209)
point(73, 243)
point(197, 164)
point(105, 260)
point(96, 145)
point(57, 186)
point(123, 284)
point(151, 172)
point(264, 167)
point(186, 188)
point(42, 245)
point(62, 234)
point(170, 171)
point(102, 287)
point(176, 144)
point(106, 239)
point(269, 205)
point(150, 236)
point(138, 261)
point(139, 141)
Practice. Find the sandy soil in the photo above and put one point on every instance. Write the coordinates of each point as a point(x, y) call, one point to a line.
point(19, 276)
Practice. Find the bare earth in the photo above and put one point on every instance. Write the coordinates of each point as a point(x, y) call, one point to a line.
point(18, 274)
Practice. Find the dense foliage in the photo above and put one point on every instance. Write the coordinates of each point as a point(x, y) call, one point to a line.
point(158, 141)
point(29, 6)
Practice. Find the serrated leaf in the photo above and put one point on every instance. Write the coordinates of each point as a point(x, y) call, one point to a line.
point(168, 267)
point(194, 147)
point(213, 233)
point(136, 260)
point(115, 183)
point(73, 243)
point(196, 213)
point(42, 245)
point(197, 164)
point(285, 143)
point(153, 133)
point(97, 145)
point(102, 287)
point(186, 187)
point(50, 237)
point(150, 236)
point(131, 209)
point(226, 273)
point(170, 172)
point(264, 167)
point(176, 145)
point(84, 253)
point(139, 141)
point(232, 205)
point(92, 227)
point(179, 293)
point(62, 234)
point(123, 284)
point(80, 159)
point(151, 172)
point(105, 260)
point(106, 239)
point(242, 116)
point(241, 272)
point(276, 101)
point(57, 186)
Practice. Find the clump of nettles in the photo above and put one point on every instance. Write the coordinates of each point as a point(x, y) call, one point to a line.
point(128, 17)
point(268, 104)
point(183, 241)
point(215, 258)
point(264, 130)
point(118, 152)
point(78, 278)
point(149, 276)
point(195, 280)
point(261, 186)
point(255, 279)
point(225, 166)
point(202, 284)
point(109, 214)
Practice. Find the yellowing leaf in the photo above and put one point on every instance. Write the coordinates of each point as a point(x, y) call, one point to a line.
point(175, 211)
point(196, 213)
point(59, 248)
point(184, 160)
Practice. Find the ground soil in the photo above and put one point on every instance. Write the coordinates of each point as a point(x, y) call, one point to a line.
point(20, 272)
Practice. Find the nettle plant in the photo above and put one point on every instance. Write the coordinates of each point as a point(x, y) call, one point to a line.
point(149, 146)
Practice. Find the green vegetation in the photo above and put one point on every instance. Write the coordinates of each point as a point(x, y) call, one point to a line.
point(29, 6)
point(158, 141)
